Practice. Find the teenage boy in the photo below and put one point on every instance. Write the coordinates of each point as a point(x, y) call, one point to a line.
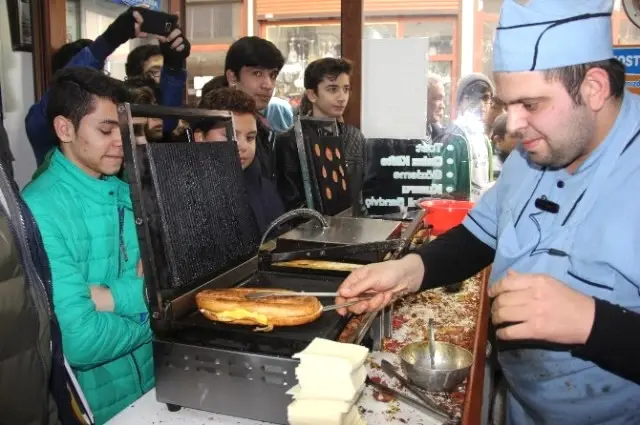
point(327, 84)
point(252, 66)
point(85, 53)
point(145, 60)
point(263, 196)
point(85, 216)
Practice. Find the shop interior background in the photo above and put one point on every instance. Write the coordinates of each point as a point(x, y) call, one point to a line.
point(460, 33)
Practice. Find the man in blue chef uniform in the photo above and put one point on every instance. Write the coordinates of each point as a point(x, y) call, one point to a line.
point(561, 226)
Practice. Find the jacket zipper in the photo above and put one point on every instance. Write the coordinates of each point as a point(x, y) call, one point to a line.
point(125, 257)
point(138, 374)
point(122, 246)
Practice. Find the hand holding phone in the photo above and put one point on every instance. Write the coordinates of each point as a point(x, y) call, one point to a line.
point(154, 22)
point(175, 49)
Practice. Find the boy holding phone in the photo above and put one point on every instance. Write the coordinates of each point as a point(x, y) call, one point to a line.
point(93, 54)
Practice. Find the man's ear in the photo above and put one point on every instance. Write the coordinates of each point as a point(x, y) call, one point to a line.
point(64, 129)
point(198, 135)
point(311, 95)
point(232, 78)
point(596, 89)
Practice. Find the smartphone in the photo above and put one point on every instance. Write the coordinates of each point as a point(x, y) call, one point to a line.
point(158, 23)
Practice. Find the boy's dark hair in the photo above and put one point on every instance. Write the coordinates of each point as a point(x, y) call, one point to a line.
point(228, 99)
point(253, 51)
point(572, 77)
point(73, 93)
point(320, 69)
point(215, 83)
point(225, 99)
point(499, 126)
point(138, 56)
point(142, 90)
point(65, 53)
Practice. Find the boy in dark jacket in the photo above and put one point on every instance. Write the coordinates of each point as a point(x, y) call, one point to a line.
point(328, 87)
point(252, 65)
point(263, 196)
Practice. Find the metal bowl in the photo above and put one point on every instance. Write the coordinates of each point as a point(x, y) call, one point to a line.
point(452, 364)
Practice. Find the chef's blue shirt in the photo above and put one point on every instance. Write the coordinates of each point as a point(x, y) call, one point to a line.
point(591, 244)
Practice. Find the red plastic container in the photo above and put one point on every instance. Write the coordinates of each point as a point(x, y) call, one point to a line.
point(444, 214)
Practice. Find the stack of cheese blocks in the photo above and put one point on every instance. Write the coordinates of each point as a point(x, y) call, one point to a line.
point(331, 377)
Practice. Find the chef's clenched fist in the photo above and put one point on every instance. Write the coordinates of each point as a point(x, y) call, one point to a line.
point(542, 308)
point(387, 280)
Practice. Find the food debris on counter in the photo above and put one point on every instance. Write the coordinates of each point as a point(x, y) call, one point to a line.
point(380, 395)
point(454, 317)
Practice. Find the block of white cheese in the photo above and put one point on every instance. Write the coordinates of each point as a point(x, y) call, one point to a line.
point(297, 394)
point(314, 412)
point(331, 378)
point(329, 383)
point(330, 370)
point(350, 355)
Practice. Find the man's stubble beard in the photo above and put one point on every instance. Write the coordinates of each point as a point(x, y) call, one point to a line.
point(574, 144)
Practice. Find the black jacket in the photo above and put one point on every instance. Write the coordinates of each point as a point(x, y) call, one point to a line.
point(35, 385)
point(289, 177)
point(434, 130)
point(263, 196)
point(265, 149)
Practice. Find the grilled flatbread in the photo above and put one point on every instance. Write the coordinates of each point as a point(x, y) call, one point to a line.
point(320, 265)
point(232, 306)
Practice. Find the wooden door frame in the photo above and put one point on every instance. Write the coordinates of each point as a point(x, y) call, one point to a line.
point(49, 33)
point(351, 28)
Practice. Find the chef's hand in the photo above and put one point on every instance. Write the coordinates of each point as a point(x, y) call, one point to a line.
point(542, 308)
point(387, 280)
point(102, 298)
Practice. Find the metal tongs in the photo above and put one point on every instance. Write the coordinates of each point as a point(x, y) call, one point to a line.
point(424, 403)
point(276, 293)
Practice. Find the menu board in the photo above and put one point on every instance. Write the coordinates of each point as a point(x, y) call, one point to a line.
point(400, 172)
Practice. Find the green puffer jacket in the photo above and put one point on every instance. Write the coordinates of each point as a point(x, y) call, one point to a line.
point(89, 234)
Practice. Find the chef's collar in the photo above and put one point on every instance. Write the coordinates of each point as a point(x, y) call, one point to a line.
point(538, 35)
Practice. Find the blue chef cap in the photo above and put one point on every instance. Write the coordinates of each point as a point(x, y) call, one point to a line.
point(546, 34)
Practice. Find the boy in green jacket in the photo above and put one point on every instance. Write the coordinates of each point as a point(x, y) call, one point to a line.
point(85, 216)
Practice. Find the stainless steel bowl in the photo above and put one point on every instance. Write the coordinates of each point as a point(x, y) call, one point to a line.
point(452, 364)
